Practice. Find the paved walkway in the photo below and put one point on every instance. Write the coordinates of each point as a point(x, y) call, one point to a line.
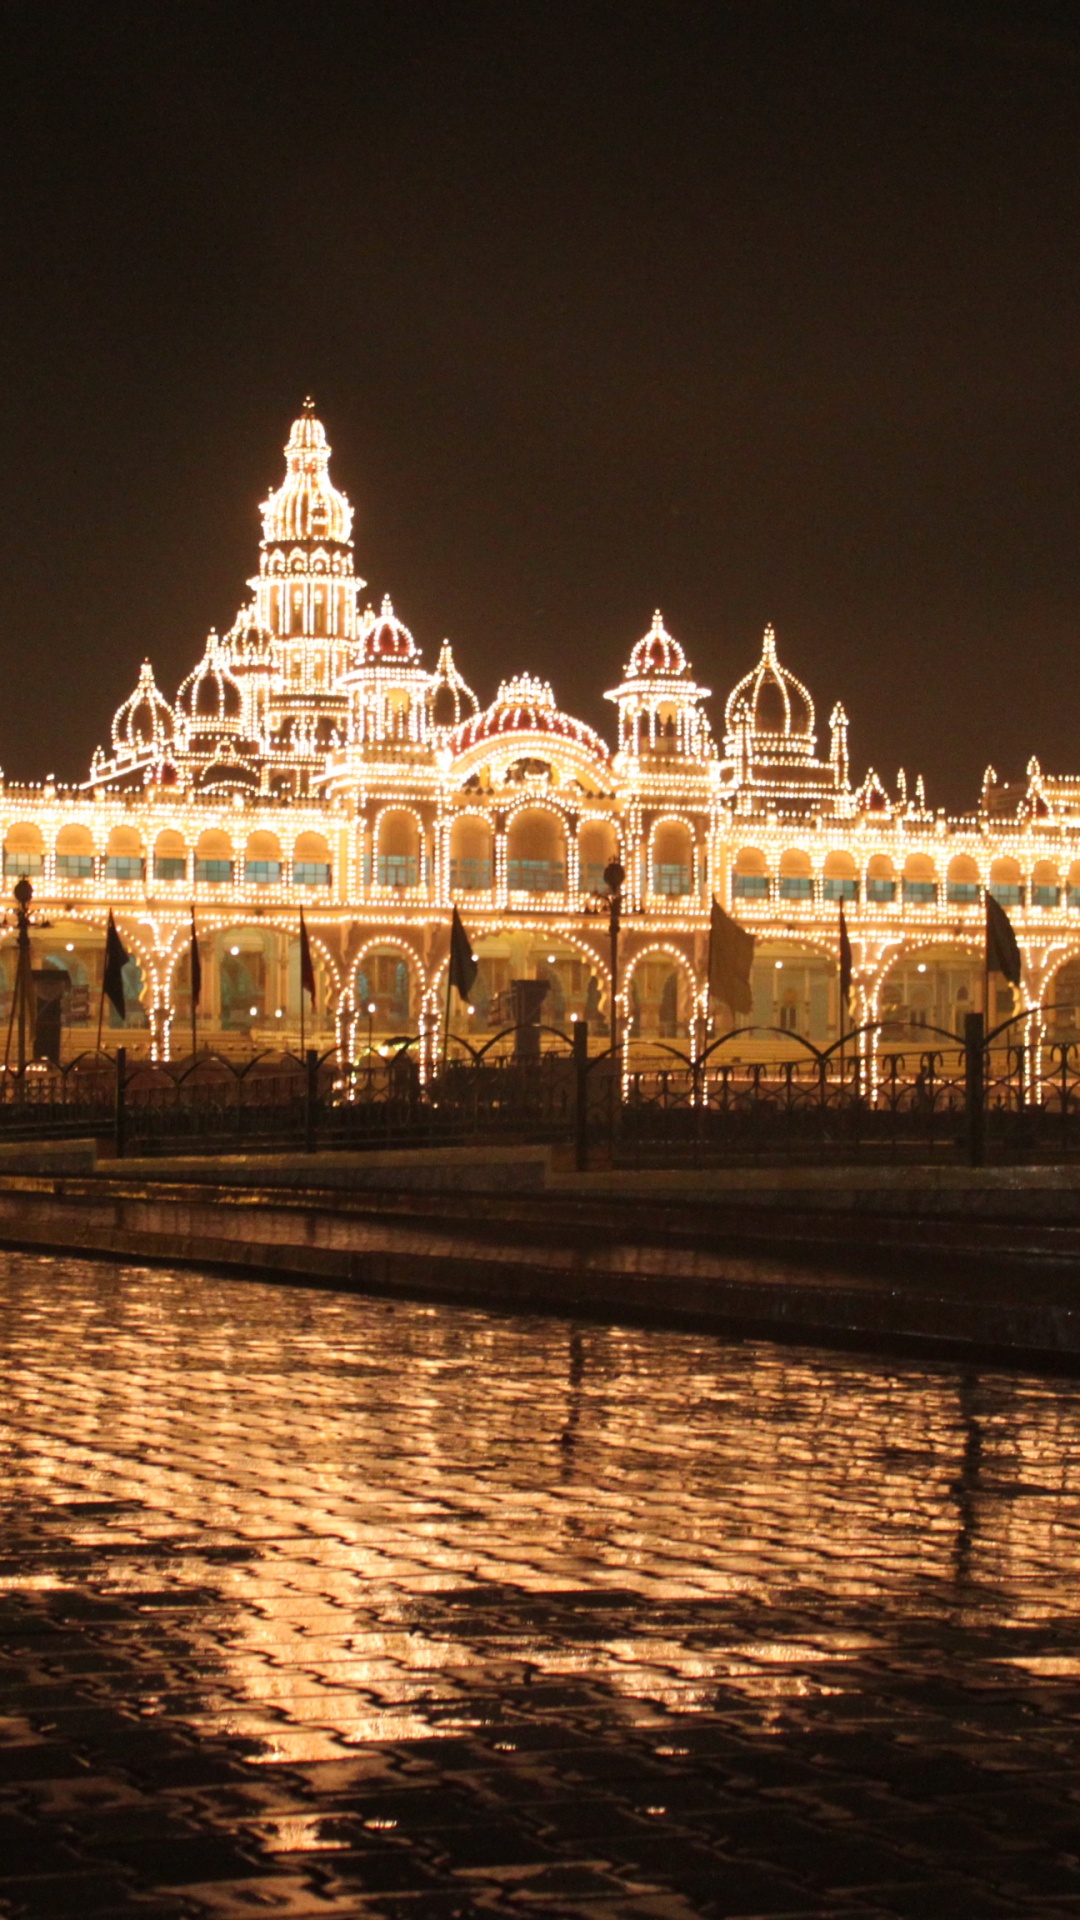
point(312, 1605)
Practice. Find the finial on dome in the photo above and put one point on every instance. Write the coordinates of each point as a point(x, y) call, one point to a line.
point(768, 646)
point(657, 652)
point(307, 505)
point(387, 609)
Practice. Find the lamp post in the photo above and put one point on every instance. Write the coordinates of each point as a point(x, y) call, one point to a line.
point(20, 1005)
point(370, 1058)
point(614, 876)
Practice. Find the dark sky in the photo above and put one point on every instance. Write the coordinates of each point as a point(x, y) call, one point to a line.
point(758, 311)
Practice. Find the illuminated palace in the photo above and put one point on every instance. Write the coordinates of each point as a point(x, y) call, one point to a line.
point(313, 759)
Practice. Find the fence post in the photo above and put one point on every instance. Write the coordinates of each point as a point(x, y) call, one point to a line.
point(311, 1097)
point(120, 1122)
point(975, 1088)
point(581, 1096)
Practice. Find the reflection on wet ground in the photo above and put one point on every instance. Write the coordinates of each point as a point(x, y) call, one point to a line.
point(321, 1605)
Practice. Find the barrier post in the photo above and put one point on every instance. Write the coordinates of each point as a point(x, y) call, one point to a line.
point(311, 1097)
point(581, 1096)
point(975, 1088)
point(120, 1118)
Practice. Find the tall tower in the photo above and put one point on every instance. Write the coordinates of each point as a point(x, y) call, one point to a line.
point(306, 603)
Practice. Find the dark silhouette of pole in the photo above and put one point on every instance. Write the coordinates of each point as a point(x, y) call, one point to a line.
point(614, 876)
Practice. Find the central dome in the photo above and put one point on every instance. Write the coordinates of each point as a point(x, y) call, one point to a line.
point(527, 705)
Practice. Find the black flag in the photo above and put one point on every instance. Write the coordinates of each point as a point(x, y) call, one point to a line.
point(463, 967)
point(307, 965)
point(845, 962)
point(731, 956)
point(116, 959)
point(196, 967)
point(1002, 952)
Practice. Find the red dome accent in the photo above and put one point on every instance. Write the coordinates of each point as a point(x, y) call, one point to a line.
point(657, 652)
point(386, 638)
point(525, 705)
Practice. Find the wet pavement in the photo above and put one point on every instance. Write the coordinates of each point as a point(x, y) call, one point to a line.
point(316, 1605)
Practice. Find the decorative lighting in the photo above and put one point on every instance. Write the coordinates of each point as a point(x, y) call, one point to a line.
point(311, 759)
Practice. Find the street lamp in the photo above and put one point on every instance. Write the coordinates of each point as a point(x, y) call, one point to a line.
point(614, 876)
point(370, 1055)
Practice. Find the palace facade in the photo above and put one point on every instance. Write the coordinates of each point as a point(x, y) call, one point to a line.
point(313, 759)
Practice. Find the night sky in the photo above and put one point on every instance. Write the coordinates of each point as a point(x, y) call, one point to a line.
point(755, 312)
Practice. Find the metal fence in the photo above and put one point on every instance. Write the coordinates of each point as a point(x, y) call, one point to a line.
point(660, 1104)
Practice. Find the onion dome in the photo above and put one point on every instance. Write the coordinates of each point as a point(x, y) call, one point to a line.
point(247, 644)
point(526, 705)
point(770, 699)
point(657, 652)
point(210, 697)
point(385, 638)
point(146, 722)
point(307, 506)
point(452, 700)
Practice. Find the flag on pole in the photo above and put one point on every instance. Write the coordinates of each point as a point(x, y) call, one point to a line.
point(196, 967)
point(731, 955)
point(116, 959)
point(463, 967)
point(1002, 952)
point(307, 969)
point(845, 961)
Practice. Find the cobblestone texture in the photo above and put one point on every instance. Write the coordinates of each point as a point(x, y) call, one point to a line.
point(313, 1605)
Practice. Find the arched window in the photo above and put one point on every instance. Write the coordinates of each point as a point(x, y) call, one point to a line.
point(24, 851)
point(262, 860)
point(962, 887)
point(311, 861)
point(1006, 883)
point(400, 850)
point(1045, 884)
point(170, 856)
point(796, 875)
point(750, 880)
point(672, 866)
point(124, 857)
point(840, 880)
point(880, 879)
point(471, 843)
point(536, 852)
point(213, 858)
point(598, 846)
point(919, 881)
point(74, 854)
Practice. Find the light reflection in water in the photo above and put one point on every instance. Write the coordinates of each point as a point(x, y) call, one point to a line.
point(372, 1502)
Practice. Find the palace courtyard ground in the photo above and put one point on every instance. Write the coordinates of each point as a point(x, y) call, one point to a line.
point(319, 1605)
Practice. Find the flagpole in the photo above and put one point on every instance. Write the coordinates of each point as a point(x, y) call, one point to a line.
point(446, 1022)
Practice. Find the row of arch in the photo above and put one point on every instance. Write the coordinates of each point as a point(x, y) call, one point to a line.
point(251, 988)
point(918, 879)
point(77, 854)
